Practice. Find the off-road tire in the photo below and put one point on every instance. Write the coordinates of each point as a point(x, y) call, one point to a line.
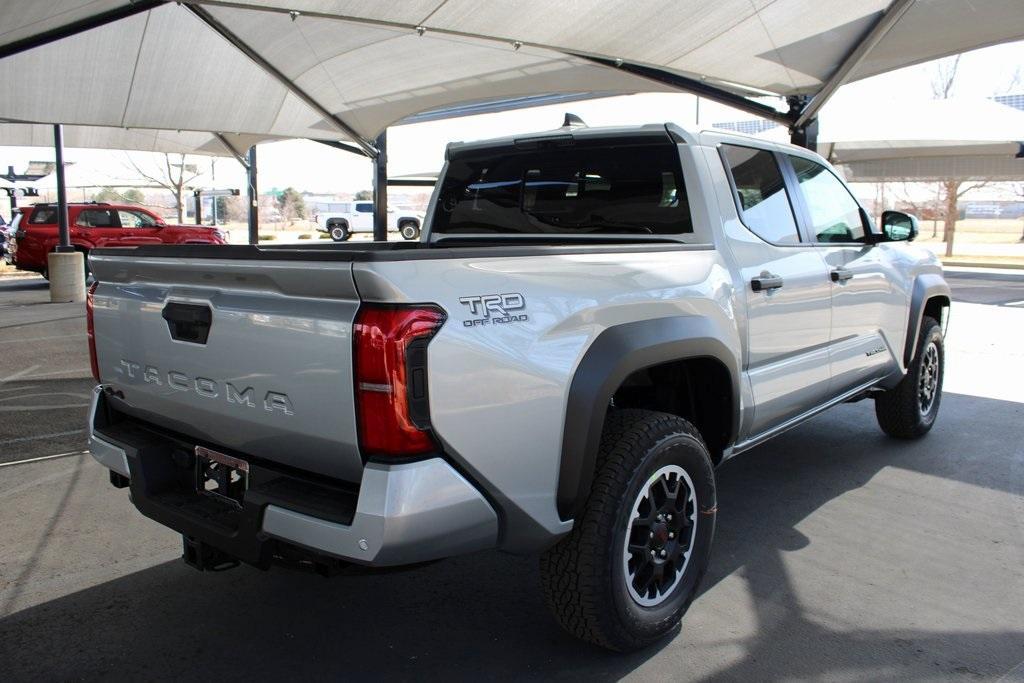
point(899, 410)
point(409, 230)
point(339, 232)
point(582, 575)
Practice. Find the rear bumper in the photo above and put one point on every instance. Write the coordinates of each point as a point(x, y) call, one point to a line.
point(400, 514)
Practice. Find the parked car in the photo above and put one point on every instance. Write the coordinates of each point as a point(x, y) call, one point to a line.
point(4, 227)
point(357, 216)
point(94, 225)
point(593, 321)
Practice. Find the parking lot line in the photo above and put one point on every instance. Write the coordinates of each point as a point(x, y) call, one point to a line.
point(38, 339)
point(22, 439)
point(19, 373)
point(42, 457)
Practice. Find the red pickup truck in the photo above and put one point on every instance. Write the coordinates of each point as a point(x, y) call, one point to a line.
point(94, 225)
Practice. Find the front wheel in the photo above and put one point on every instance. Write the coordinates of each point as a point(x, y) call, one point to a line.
point(409, 230)
point(339, 233)
point(628, 571)
point(908, 410)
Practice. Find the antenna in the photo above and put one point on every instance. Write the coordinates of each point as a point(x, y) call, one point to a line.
point(573, 121)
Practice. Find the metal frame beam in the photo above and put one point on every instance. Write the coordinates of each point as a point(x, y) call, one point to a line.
point(80, 26)
point(239, 157)
point(694, 86)
point(853, 59)
point(343, 146)
point(273, 71)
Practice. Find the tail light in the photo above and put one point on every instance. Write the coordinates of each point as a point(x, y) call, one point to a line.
point(90, 331)
point(390, 346)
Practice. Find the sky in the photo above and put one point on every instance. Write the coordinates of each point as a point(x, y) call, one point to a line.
point(420, 147)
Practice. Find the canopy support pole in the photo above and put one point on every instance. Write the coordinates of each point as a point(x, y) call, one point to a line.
point(254, 200)
point(64, 233)
point(380, 190)
point(806, 135)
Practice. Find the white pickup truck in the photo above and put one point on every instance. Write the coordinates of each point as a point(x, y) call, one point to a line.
point(592, 320)
point(357, 216)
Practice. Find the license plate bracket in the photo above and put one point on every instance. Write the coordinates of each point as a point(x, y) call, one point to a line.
point(221, 476)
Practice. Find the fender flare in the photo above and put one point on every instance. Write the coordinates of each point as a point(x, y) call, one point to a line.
point(927, 286)
point(616, 353)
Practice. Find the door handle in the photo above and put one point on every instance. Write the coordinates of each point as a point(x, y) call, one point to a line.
point(841, 275)
point(766, 281)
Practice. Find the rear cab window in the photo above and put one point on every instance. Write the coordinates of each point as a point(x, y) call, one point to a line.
point(627, 189)
point(761, 195)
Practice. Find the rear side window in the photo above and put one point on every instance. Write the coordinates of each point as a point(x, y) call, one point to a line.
point(43, 215)
point(761, 194)
point(364, 208)
point(835, 214)
point(628, 189)
point(97, 218)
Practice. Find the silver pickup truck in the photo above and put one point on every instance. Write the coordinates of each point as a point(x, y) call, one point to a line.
point(592, 320)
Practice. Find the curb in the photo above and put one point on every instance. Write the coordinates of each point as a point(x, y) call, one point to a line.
point(955, 263)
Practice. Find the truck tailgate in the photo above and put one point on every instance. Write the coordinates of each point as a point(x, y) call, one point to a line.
point(254, 357)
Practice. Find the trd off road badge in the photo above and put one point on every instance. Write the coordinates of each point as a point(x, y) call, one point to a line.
point(494, 309)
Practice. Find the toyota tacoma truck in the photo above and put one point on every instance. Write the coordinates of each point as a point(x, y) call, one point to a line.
point(353, 217)
point(592, 320)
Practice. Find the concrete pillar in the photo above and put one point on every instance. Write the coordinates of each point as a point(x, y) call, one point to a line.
point(67, 276)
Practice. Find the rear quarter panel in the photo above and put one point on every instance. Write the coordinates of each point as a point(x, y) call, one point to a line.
point(498, 392)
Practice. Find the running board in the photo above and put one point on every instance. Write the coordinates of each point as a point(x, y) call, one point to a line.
point(794, 421)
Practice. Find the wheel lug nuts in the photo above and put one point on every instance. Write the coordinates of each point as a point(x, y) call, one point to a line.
point(671, 535)
point(669, 518)
point(652, 553)
point(664, 553)
point(652, 534)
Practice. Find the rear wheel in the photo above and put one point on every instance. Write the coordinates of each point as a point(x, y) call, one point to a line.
point(409, 230)
point(908, 410)
point(628, 571)
point(339, 232)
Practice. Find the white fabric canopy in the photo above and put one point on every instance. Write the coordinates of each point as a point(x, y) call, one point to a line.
point(926, 140)
point(143, 140)
point(349, 68)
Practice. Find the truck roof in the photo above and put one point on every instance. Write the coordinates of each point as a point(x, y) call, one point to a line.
point(570, 134)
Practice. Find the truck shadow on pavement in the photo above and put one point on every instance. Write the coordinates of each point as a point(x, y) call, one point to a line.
point(483, 615)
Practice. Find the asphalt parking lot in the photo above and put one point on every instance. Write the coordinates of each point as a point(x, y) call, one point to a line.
point(840, 554)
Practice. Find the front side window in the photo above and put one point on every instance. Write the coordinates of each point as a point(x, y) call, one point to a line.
point(135, 219)
point(761, 194)
point(364, 208)
point(835, 214)
point(577, 189)
point(96, 218)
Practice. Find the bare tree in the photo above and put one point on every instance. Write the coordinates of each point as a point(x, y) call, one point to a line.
point(944, 77)
point(174, 177)
point(952, 191)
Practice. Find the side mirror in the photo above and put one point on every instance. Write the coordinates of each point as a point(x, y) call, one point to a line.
point(898, 226)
